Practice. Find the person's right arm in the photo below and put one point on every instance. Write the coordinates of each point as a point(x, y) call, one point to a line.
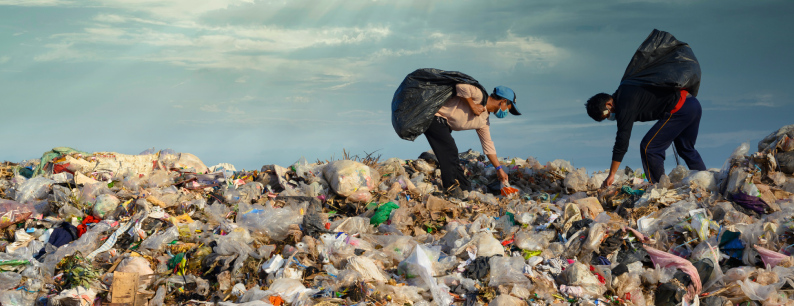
point(625, 122)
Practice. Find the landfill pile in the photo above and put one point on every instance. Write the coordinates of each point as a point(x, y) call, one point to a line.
point(162, 228)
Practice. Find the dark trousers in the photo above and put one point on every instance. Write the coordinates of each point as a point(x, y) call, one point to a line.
point(680, 128)
point(439, 135)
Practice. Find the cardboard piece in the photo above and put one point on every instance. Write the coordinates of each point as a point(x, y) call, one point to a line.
point(124, 288)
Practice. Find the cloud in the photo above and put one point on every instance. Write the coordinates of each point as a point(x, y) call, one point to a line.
point(298, 99)
point(35, 2)
point(4, 59)
point(210, 108)
point(63, 51)
point(241, 79)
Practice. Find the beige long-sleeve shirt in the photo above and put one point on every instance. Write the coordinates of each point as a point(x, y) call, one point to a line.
point(460, 116)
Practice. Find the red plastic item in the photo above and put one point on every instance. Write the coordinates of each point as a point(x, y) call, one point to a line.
point(82, 228)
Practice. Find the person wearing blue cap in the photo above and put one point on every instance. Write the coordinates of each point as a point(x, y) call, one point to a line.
point(467, 110)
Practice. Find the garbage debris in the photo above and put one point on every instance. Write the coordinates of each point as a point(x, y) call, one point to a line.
point(162, 228)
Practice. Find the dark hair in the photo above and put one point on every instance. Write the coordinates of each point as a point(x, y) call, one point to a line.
point(596, 106)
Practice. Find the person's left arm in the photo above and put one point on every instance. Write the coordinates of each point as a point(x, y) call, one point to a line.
point(490, 151)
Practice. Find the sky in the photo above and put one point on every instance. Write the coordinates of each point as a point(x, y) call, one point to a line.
point(252, 82)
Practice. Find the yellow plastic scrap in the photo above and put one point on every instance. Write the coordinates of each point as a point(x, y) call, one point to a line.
point(181, 219)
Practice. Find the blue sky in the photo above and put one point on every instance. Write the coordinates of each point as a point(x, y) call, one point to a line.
point(261, 82)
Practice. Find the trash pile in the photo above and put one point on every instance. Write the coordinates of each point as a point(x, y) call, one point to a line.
point(162, 228)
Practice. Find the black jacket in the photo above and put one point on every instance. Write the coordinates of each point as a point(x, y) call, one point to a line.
point(634, 103)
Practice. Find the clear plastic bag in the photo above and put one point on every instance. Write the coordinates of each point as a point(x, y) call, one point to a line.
point(738, 274)
point(89, 193)
point(506, 270)
point(579, 275)
point(158, 241)
point(33, 189)
point(532, 241)
point(273, 222)
point(419, 265)
point(756, 291)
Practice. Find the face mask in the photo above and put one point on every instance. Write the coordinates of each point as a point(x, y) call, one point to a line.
point(500, 113)
point(611, 117)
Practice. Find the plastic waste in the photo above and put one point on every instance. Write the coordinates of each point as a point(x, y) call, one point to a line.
point(33, 189)
point(105, 204)
point(506, 270)
point(158, 241)
point(419, 265)
point(12, 212)
point(347, 177)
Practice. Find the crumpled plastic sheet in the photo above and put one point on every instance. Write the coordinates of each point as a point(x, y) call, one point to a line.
point(12, 212)
point(664, 259)
point(771, 258)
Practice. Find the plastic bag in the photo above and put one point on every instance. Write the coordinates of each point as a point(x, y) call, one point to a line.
point(756, 291)
point(419, 264)
point(506, 300)
point(288, 289)
point(487, 245)
point(360, 197)
point(420, 95)
point(158, 241)
point(159, 297)
point(273, 222)
point(701, 179)
point(506, 270)
point(9, 280)
point(663, 61)
point(532, 242)
point(594, 237)
point(105, 204)
point(90, 192)
point(33, 189)
point(579, 275)
point(346, 177)
point(12, 212)
point(772, 259)
point(367, 268)
point(577, 180)
point(664, 259)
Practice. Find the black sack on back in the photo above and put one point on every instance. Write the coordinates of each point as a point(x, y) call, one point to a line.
point(663, 61)
point(421, 95)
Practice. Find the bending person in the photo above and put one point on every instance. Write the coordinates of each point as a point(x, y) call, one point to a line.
point(678, 114)
point(467, 110)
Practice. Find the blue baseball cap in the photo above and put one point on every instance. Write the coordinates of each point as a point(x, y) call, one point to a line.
point(508, 94)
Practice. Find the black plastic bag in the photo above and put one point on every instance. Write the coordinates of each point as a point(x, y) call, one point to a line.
point(663, 61)
point(421, 95)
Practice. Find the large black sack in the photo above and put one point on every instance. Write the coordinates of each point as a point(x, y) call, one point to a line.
point(663, 61)
point(421, 95)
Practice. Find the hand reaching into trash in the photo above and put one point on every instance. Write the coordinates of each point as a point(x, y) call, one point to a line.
point(502, 176)
point(608, 182)
point(613, 168)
